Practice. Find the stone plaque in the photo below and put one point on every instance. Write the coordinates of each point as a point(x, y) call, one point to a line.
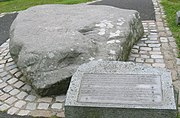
point(120, 88)
point(114, 89)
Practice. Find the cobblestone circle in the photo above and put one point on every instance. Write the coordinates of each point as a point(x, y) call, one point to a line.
point(157, 48)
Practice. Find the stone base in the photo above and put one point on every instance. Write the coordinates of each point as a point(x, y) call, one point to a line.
point(98, 112)
point(112, 89)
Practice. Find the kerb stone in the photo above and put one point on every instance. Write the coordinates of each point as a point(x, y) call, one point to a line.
point(111, 89)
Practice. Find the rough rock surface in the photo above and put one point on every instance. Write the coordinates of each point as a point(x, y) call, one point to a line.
point(49, 42)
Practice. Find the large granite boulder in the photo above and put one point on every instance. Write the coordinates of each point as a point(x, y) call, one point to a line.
point(49, 42)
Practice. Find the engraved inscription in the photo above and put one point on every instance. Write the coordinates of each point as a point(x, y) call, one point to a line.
point(120, 88)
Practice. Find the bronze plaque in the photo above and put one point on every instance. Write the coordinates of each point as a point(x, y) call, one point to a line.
point(120, 88)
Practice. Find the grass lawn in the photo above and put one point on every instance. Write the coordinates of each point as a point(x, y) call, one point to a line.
point(16, 5)
point(171, 7)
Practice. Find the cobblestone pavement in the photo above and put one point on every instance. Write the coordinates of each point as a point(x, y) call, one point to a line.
point(157, 48)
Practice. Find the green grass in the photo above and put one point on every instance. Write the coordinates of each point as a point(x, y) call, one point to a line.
point(171, 7)
point(16, 5)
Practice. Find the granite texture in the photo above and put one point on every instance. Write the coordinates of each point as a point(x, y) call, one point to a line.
point(165, 108)
point(49, 42)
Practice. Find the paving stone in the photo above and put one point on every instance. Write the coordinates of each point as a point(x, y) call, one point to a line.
point(11, 100)
point(145, 56)
point(10, 64)
point(10, 59)
point(4, 73)
point(21, 95)
point(140, 60)
point(154, 45)
point(165, 46)
point(156, 49)
point(173, 44)
point(168, 55)
point(141, 44)
point(31, 106)
point(43, 106)
point(144, 39)
point(12, 110)
point(160, 24)
point(134, 55)
point(134, 51)
point(23, 78)
point(30, 98)
point(149, 60)
point(142, 52)
point(14, 92)
point(171, 39)
point(26, 88)
point(161, 28)
point(131, 59)
point(60, 98)
point(11, 67)
point(2, 61)
point(57, 106)
point(152, 42)
point(153, 36)
point(18, 74)
point(155, 52)
point(170, 64)
point(1, 92)
point(18, 84)
point(4, 96)
point(20, 104)
point(162, 34)
point(41, 113)
point(1, 70)
point(162, 65)
point(7, 89)
point(13, 71)
point(163, 39)
point(45, 99)
point(61, 115)
point(145, 48)
point(178, 61)
point(7, 77)
point(2, 85)
point(1, 81)
point(153, 39)
point(23, 112)
point(12, 80)
point(159, 60)
point(1, 103)
point(135, 47)
point(4, 107)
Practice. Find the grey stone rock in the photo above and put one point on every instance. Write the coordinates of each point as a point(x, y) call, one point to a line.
point(49, 42)
point(114, 89)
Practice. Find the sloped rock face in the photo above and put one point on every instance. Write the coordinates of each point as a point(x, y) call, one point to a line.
point(49, 42)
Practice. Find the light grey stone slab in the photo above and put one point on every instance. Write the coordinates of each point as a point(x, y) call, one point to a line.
point(56, 106)
point(20, 104)
point(43, 106)
point(120, 90)
point(30, 98)
point(31, 106)
point(12, 110)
